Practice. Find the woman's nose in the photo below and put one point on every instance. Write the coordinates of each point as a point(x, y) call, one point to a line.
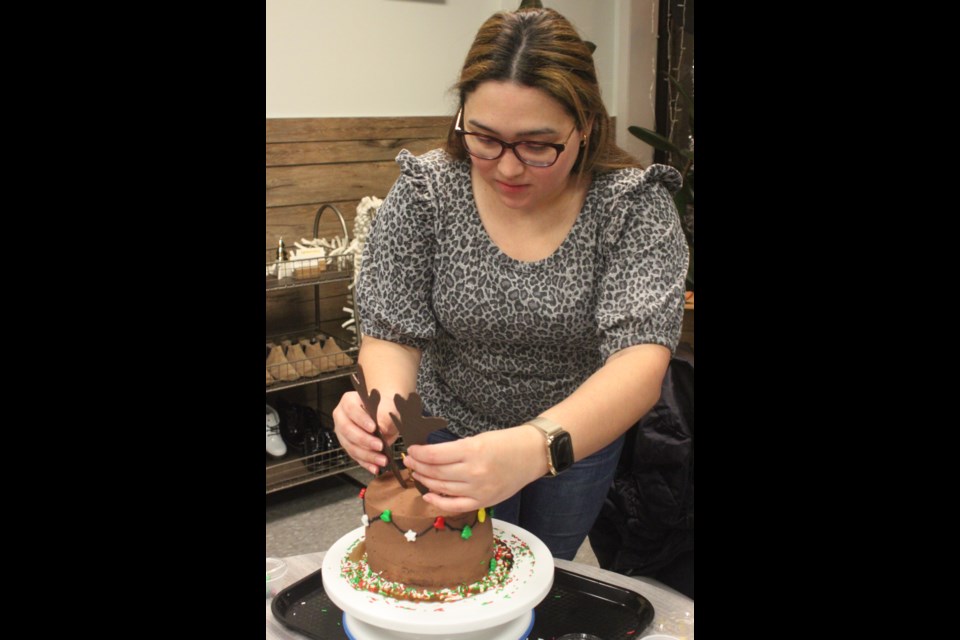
point(509, 164)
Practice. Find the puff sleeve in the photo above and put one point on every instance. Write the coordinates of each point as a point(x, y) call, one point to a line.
point(644, 260)
point(396, 278)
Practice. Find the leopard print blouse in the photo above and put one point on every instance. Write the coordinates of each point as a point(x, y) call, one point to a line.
point(503, 340)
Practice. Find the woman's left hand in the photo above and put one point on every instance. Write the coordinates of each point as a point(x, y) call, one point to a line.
point(479, 471)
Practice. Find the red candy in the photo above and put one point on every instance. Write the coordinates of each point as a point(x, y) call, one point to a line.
point(439, 523)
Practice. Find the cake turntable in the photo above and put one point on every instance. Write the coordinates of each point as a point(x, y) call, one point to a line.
point(504, 613)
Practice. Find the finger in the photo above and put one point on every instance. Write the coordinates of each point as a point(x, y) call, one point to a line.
point(372, 459)
point(369, 460)
point(387, 429)
point(456, 504)
point(360, 445)
point(354, 429)
point(371, 464)
point(361, 418)
point(440, 453)
point(461, 473)
point(350, 411)
point(442, 486)
point(353, 435)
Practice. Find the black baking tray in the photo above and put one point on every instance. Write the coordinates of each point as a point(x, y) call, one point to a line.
point(578, 604)
point(575, 604)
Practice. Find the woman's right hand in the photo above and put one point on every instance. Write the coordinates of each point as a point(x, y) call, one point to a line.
point(355, 429)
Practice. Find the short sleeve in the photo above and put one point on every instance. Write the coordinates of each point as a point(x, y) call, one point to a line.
point(644, 264)
point(396, 277)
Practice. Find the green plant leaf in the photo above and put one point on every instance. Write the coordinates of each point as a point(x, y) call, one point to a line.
point(657, 141)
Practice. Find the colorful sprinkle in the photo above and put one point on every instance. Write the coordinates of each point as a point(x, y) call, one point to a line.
point(385, 516)
point(410, 535)
point(482, 514)
point(365, 520)
point(363, 492)
point(467, 532)
point(439, 523)
point(359, 574)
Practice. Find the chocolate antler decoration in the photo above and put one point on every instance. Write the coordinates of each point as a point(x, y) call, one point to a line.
point(413, 425)
point(370, 403)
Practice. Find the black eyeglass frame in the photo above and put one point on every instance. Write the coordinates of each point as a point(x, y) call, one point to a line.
point(509, 145)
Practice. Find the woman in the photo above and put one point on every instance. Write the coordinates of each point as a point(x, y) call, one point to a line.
point(530, 271)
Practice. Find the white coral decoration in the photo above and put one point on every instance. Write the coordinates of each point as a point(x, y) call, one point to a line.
point(324, 248)
point(410, 535)
point(366, 211)
point(349, 323)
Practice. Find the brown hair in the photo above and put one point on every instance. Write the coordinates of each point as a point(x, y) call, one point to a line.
point(540, 48)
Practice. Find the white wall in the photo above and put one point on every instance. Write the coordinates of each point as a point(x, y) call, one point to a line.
point(358, 58)
point(342, 58)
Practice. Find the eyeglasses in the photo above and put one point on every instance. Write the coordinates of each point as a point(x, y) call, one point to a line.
point(535, 154)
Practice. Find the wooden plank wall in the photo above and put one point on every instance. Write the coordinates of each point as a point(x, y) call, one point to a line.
point(313, 161)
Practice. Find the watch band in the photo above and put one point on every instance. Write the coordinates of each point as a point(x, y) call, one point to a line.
point(547, 426)
point(550, 430)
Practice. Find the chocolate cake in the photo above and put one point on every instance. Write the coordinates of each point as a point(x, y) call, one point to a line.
point(410, 549)
point(408, 540)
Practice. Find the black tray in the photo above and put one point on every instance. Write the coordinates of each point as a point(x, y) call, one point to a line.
point(575, 604)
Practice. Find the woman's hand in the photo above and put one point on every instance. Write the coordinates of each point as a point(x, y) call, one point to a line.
point(479, 471)
point(355, 428)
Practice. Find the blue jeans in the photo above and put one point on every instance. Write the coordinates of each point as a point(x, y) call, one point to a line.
point(560, 511)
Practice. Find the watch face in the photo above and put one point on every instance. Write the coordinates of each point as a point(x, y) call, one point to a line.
point(561, 450)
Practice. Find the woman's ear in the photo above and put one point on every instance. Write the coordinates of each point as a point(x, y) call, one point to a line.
point(585, 134)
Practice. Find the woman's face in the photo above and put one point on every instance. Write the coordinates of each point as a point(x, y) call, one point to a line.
point(513, 112)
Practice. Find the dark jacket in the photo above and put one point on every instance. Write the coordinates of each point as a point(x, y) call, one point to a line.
point(647, 519)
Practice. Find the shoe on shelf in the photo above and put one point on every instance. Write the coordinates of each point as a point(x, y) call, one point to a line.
point(278, 365)
point(275, 444)
point(300, 362)
point(313, 350)
point(333, 356)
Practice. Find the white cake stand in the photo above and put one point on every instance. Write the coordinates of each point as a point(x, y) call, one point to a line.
point(499, 614)
point(518, 629)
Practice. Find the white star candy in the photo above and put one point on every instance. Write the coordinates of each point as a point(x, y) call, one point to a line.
point(365, 520)
point(410, 535)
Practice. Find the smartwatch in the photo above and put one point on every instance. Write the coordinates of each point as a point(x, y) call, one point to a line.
point(559, 445)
